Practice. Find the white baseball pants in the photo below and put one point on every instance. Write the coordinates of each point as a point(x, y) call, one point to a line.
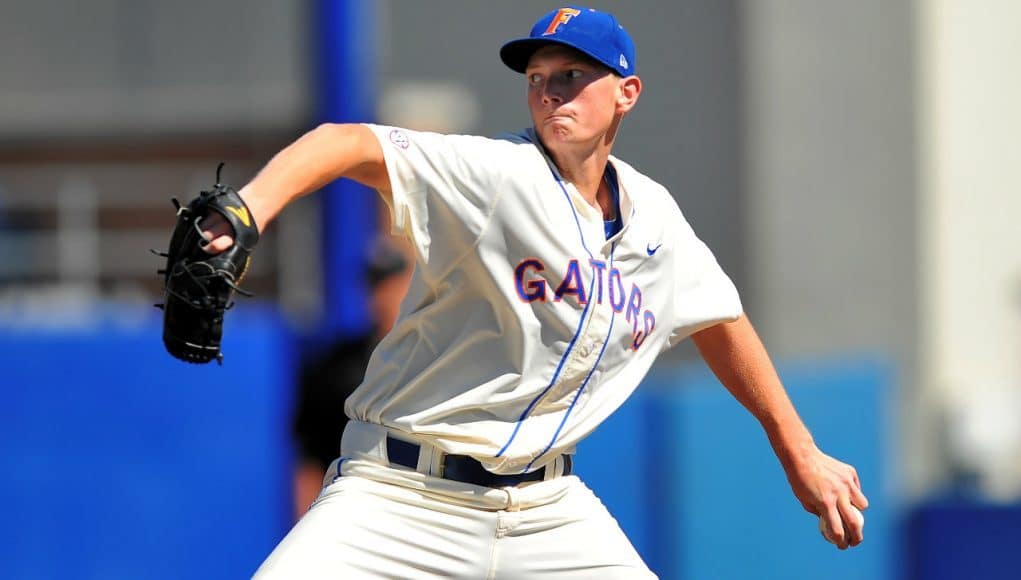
point(377, 521)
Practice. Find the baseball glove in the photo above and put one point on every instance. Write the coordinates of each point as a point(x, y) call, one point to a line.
point(199, 286)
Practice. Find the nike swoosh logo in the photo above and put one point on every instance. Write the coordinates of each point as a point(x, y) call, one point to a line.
point(242, 214)
point(652, 250)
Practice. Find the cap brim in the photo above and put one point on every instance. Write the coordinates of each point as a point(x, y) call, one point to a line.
point(516, 53)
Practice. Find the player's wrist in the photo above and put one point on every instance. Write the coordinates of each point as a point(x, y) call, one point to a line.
point(257, 207)
point(792, 443)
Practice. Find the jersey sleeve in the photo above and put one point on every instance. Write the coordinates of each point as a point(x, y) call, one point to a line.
point(704, 294)
point(444, 189)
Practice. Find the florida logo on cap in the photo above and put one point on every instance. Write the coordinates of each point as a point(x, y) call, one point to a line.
point(564, 15)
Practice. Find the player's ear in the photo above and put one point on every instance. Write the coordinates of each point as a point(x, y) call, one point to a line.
point(627, 93)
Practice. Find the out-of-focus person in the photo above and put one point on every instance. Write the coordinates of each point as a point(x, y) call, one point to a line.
point(326, 380)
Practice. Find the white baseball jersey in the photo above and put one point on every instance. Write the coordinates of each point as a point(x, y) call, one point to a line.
point(524, 327)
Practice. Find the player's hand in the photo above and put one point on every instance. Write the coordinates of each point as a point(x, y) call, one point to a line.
point(831, 490)
point(217, 230)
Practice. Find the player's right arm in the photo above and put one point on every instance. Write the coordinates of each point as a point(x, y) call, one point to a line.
point(825, 486)
point(324, 154)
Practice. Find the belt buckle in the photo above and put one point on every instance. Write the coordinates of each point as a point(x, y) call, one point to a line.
point(464, 468)
point(470, 470)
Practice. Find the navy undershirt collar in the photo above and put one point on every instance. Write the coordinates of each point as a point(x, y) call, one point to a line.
point(611, 227)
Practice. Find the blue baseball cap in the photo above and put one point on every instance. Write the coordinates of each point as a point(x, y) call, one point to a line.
point(596, 34)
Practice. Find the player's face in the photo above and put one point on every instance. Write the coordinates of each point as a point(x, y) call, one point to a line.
point(573, 99)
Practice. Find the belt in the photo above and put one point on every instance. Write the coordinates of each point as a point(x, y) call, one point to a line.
point(464, 468)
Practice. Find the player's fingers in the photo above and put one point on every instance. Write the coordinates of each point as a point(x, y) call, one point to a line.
point(854, 522)
point(858, 498)
point(835, 527)
point(849, 475)
point(217, 232)
point(854, 476)
point(216, 225)
point(855, 482)
point(218, 244)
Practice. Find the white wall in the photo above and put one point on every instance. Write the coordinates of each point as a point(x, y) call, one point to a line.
point(830, 188)
point(970, 152)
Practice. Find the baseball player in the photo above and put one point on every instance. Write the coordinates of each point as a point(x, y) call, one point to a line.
point(549, 276)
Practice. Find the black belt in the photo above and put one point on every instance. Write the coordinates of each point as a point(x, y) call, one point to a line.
point(464, 468)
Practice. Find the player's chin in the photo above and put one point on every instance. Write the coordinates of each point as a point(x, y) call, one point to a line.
point(556, 134)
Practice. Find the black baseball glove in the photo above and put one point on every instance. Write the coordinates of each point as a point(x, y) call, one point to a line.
point(199, 286)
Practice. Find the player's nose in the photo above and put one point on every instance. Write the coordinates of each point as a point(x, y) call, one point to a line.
point(549, 93)
point(551, 96)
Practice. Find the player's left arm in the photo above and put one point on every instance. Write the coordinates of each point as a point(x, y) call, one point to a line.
point(825, 486)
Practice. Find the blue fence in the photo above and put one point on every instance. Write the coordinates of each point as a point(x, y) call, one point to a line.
point(120, 462)
point(955, 538)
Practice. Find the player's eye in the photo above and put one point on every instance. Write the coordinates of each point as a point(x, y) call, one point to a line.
point(534, 78)
point(574, 73)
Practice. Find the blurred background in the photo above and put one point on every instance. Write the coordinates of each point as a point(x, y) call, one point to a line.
point(852, 164)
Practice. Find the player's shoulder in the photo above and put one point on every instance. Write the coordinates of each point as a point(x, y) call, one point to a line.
point(643, 188)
